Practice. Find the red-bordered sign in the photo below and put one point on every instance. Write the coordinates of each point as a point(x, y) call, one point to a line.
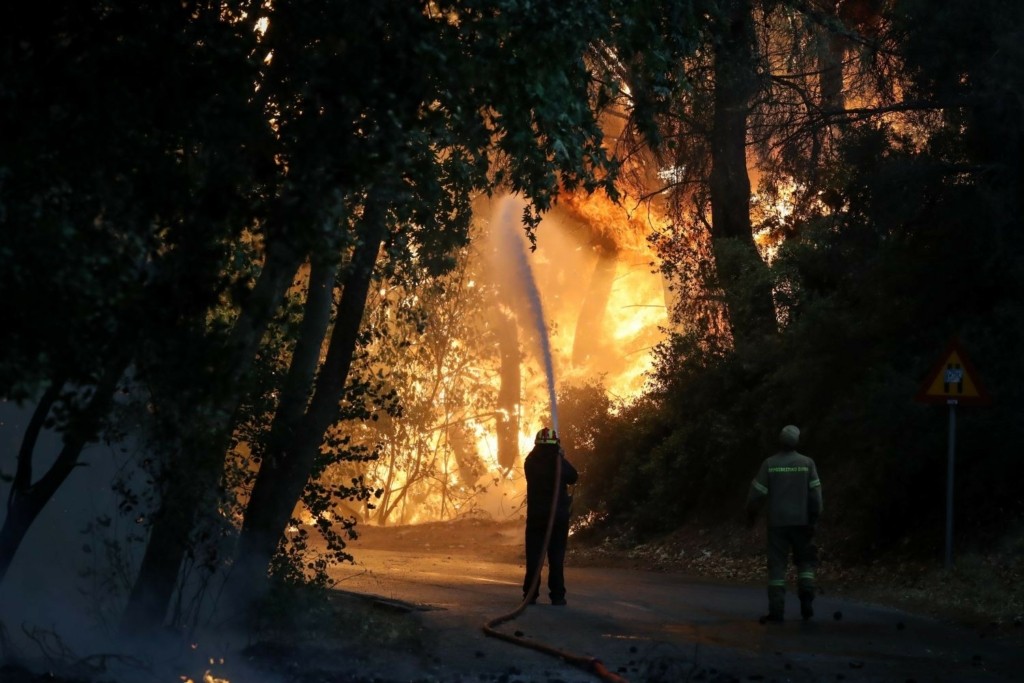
point(953, 379)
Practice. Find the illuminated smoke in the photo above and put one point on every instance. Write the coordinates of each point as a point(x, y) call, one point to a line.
point(509, 225)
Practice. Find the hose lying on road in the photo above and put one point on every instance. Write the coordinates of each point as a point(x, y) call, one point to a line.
point(591, 664)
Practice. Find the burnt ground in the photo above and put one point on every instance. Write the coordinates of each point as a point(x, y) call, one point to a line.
point(314, 635)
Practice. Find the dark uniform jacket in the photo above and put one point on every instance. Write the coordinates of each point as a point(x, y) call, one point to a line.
point(790, 482)
point(540, 483)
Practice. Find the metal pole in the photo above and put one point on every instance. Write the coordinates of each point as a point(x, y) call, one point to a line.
point(949, 484)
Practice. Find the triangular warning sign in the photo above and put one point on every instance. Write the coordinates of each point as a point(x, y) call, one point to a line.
point(953, 380)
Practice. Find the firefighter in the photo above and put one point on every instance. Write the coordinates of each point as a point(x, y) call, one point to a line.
point(789, 482)
point(540, 493)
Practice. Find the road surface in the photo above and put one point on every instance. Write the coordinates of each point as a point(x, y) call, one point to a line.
point(647, 626)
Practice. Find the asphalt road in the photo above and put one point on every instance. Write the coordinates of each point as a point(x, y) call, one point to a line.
point(646, 626)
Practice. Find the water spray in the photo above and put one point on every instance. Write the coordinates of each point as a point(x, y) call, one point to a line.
point(509, 225)
point(511, 242)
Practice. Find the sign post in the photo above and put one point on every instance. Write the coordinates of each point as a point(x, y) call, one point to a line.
point(950, 462)
point(952, 381)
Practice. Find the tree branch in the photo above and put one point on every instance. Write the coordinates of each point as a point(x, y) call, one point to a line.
point(23, 475)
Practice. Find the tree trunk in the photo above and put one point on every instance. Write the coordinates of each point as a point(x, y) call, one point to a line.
point(467, 459)
point(830, 55)
point(590, 323)
point(742, 274)
point(286, 468)
point(291, 407)
point(26, 500)
point(507, 422)
point(192, 485)
point(23, 504)
point(384, 504)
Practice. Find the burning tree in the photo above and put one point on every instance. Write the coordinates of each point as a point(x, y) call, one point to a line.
point(433, 346)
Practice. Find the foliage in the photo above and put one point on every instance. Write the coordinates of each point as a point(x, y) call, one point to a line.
point(914, 236)
point(867, 311)
point(427, 345)
point(171, 169)
point(115, 184)
point(331, 504)
point(586, 412)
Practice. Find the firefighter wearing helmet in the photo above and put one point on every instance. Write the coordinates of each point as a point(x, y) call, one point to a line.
point(542, 490)
point(788, 481)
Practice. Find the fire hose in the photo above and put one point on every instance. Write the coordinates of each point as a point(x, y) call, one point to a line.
point(590, 664)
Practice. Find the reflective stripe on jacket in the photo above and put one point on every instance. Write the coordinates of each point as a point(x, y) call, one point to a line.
point(789, 480)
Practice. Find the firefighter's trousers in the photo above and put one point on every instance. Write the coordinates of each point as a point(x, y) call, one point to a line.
point(782, 540)
point(535, 530)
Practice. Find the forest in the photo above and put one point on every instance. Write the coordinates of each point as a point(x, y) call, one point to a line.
point(257, 262)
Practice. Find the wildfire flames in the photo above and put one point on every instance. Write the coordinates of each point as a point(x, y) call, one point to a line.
point(604, 308)
point(605, 304)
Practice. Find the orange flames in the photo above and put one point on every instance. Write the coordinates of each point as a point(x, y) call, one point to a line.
point(605, 310)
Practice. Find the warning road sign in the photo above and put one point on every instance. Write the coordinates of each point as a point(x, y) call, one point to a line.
point(953, 380)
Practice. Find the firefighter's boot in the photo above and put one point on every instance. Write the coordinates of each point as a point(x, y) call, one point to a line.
point(776, 605)
point(806, 592)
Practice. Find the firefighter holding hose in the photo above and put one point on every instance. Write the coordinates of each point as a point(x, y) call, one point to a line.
point(789, 482)
point(548, 503)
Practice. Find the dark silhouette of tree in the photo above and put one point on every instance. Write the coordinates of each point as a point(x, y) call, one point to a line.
point(122, 192)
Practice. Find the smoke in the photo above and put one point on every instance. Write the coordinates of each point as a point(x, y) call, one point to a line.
point(509, 226)
point(61, 600)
